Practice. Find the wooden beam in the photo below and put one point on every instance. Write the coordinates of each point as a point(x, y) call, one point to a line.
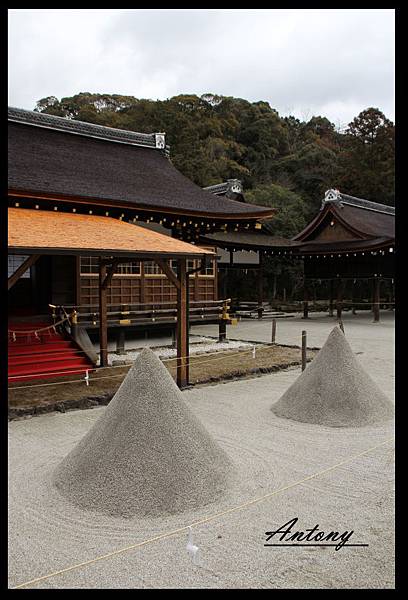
point(12, 280)
point(103, 324)
point(182, 326)
point(171, 275)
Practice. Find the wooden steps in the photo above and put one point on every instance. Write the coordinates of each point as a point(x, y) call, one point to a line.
point(49, 355)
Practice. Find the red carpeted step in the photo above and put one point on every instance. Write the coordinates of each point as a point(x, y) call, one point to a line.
point(50, 356)
point(79, 371)
point(47, 367)
point(22, 349)
point(44, 357)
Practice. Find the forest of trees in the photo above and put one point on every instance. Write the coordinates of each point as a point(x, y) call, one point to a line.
point(282, 161)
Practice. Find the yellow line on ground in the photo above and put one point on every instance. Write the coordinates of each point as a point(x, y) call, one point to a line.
point(201, 521)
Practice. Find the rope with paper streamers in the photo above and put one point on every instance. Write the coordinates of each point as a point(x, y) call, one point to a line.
point(253, 350)
point(13, 334)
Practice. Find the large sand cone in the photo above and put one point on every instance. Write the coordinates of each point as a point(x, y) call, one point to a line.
point(147, 453)
point(334, 390)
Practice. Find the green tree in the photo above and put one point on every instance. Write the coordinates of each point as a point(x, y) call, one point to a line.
point(368, 158)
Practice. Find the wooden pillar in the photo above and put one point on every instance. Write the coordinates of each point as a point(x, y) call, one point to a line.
point(182, 325)
point(391, 298)
point(120, 340)
point(376, 299)
point(103, 325)
point(339, 303)
point(305, 300)
point(260, 285)
point(142, 284)
point(304, 347)
point(222, 331)
point(331, 297)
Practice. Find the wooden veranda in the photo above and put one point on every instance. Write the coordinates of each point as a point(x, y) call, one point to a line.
point(35, 233)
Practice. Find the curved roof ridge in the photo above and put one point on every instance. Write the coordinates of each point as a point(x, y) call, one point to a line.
point(337, 197)
point(231, 185)
point(39, 119)
point(367, 204)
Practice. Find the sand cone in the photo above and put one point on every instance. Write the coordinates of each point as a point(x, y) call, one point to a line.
point(147, 454)
point(334, 390)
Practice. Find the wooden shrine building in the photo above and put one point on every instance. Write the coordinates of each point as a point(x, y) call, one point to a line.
point(76, 191)
point(350, 239)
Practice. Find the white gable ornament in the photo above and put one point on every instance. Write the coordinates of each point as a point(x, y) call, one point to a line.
point(332, 195)
point(160, 140)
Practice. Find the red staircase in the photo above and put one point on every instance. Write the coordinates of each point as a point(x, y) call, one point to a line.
point(48, 355)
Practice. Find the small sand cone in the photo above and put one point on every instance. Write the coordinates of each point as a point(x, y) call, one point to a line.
point(334, 390)
point(147, 454)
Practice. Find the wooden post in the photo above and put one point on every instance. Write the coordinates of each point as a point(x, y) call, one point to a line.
point(305, 300)
point(120, 340)
point(182, 326)
point(222, 331)
point(304, 342)
point(339, 303)
point(273, 331)
point(376, 299)
point(391, 296)
point(331, 295)
point(103, 324)
point(260, 285)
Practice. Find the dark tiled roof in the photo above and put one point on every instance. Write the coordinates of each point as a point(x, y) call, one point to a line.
point(49, 161)
point(365, 219)
point(250, 240)
point(29, 117)
point(345, 246)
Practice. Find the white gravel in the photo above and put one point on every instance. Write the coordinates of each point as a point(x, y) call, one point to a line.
point(48, 533)
point(198, 345)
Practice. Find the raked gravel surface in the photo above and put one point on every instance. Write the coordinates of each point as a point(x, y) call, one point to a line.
point(339, 478)
point(198, 345)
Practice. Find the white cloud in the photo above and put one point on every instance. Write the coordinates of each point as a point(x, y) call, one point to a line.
point(333, 62)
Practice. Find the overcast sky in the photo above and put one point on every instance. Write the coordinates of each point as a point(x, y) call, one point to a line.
point(332, 62)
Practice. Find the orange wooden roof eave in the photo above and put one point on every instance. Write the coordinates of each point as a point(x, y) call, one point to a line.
point(107, 253)
point(47, 232)
point(270, 212)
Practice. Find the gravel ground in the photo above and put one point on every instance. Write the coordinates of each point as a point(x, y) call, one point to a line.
point(273, 456)
point(198, 345)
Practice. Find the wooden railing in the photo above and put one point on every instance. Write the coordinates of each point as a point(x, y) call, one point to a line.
point(147, 313)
